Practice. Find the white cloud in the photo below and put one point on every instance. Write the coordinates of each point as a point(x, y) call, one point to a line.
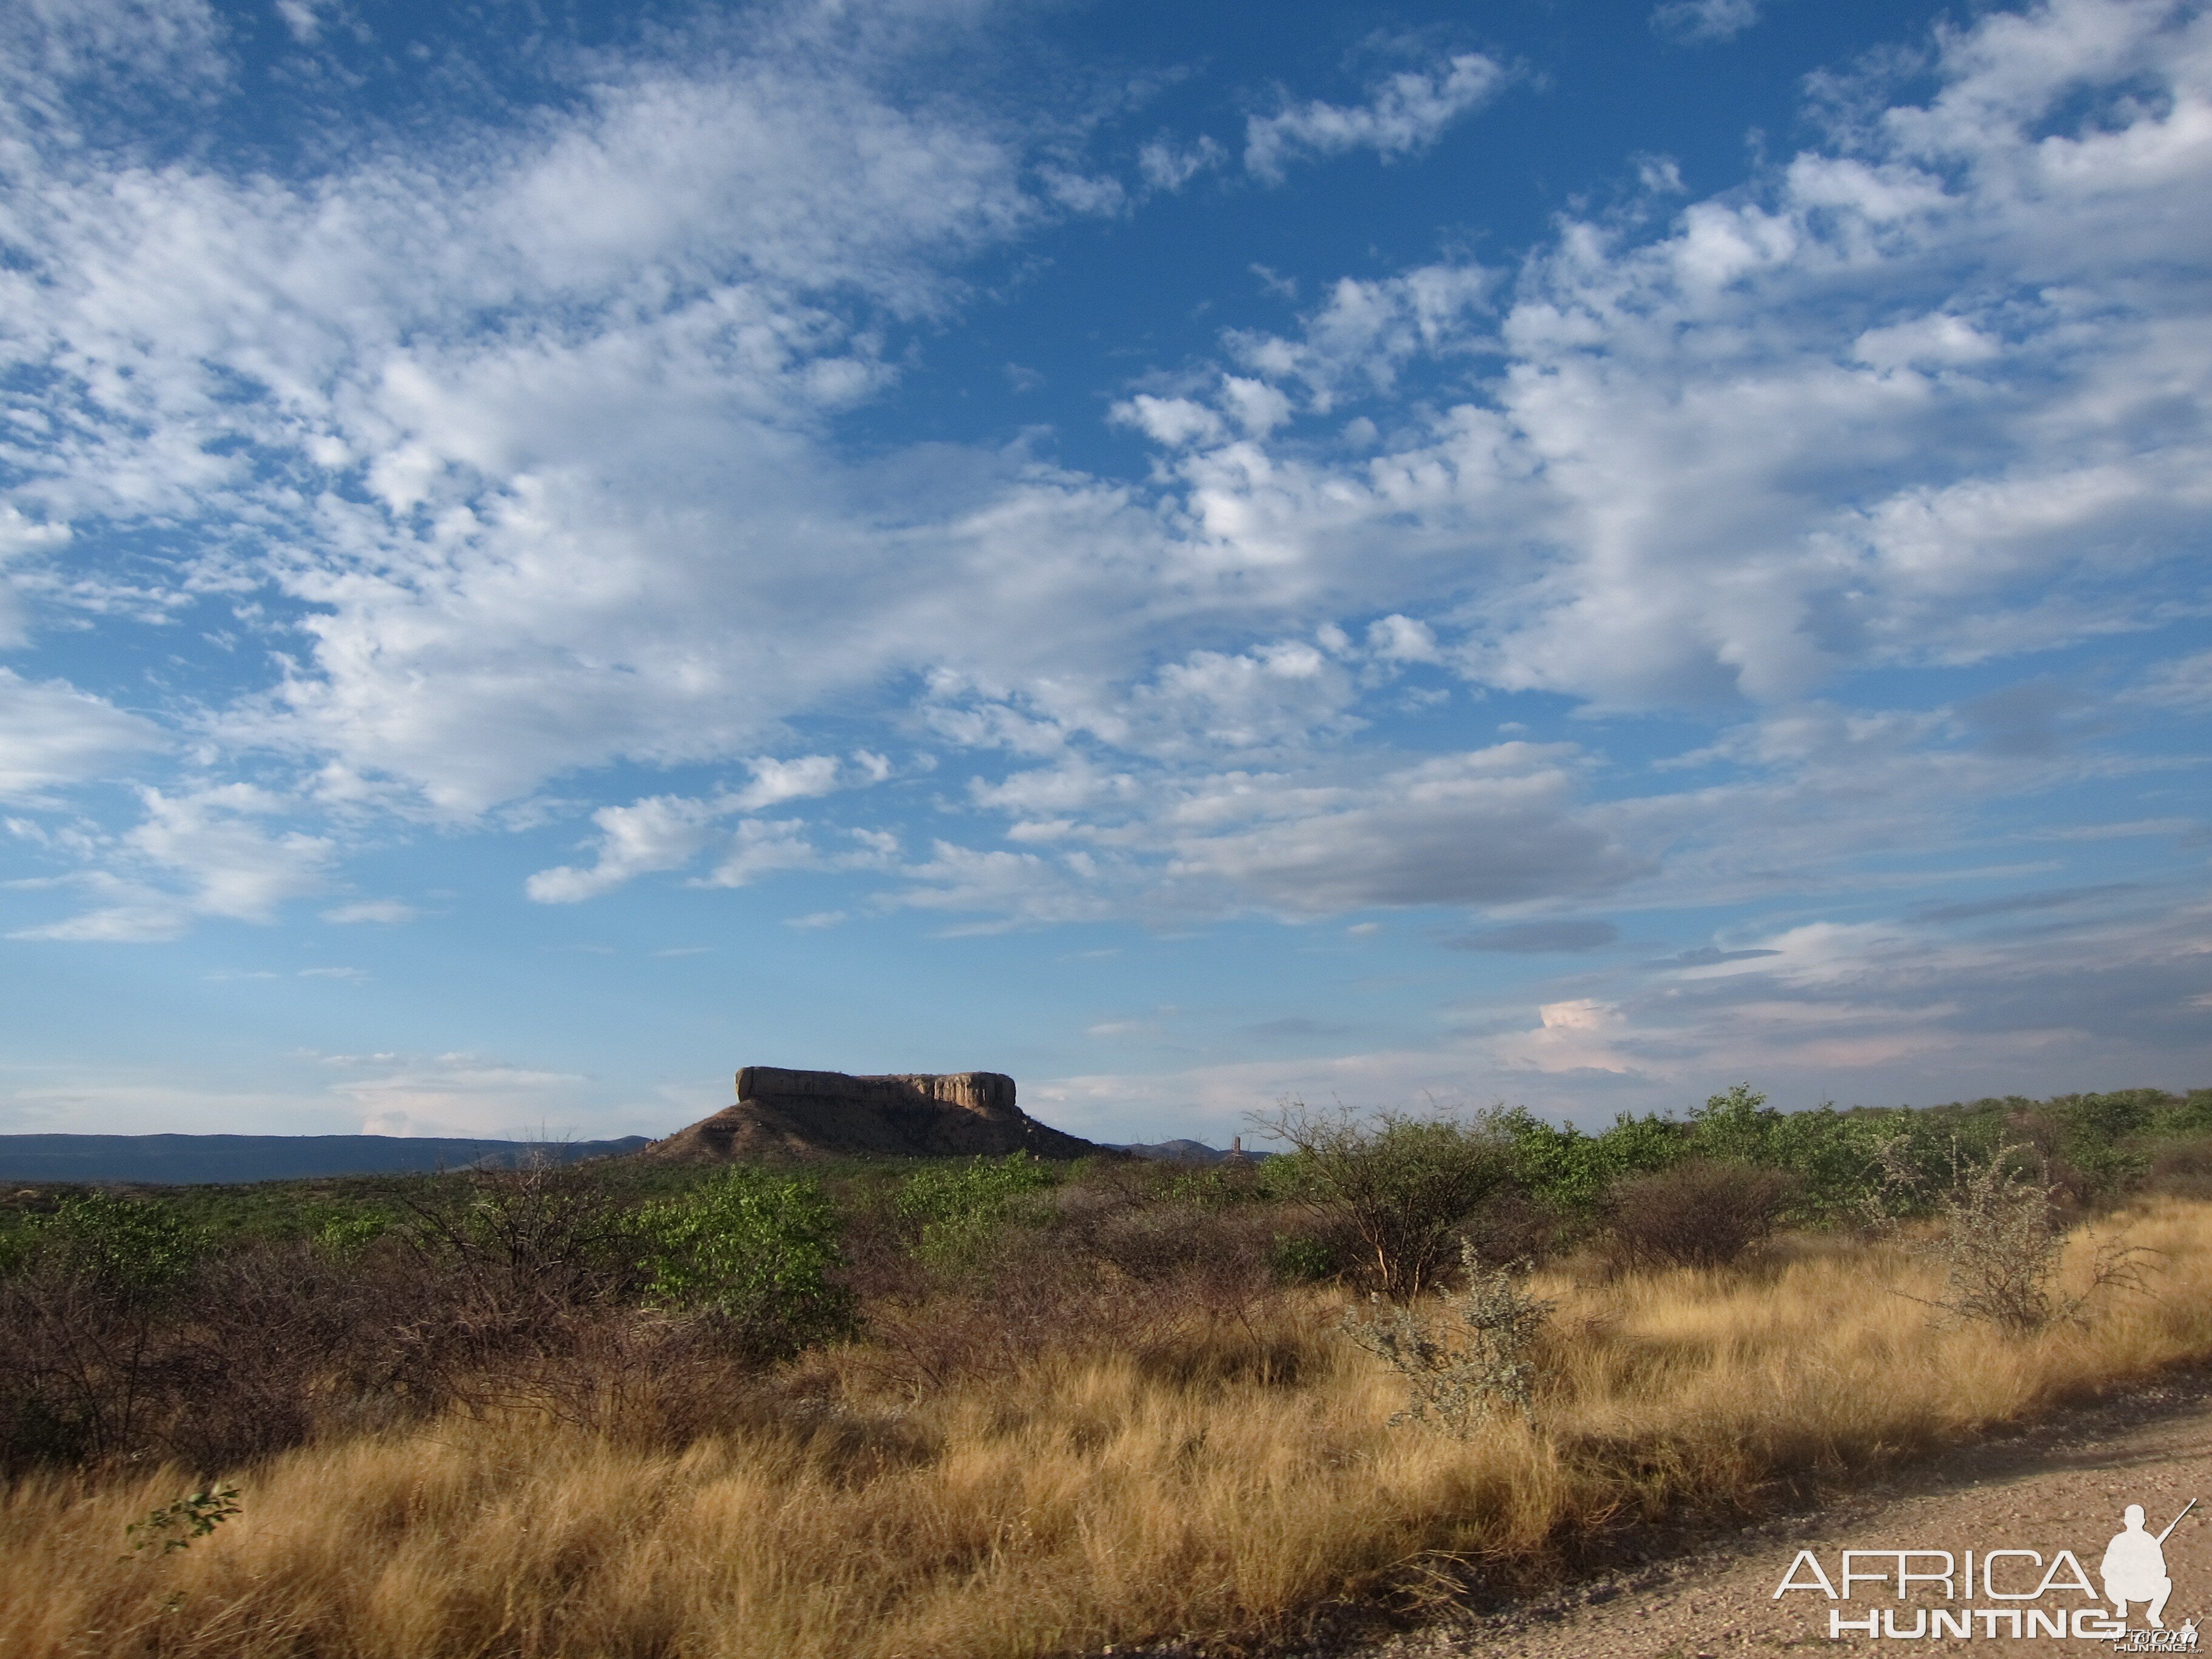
point(1367, 331)
point(389, 913)
point(49, 49)
point(660, 832)
point(1934, 394)
point(2182, 683)
point(775, 781)
point(234, 868)
point(459, 1094)
point(1174, 421)
point(52, 735)
point(1169, 165)
point(302, 17)
point(134, 914)
point(667, 832)
point(1704, 19)
point(763, 846)
point(1404, 114)
point(1491, 828)
point(203, 852)
point(538, 414)
point(1401, 639)
point(21, 540)
point(528, 446)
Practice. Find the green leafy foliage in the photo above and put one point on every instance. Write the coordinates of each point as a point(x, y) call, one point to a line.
point(752, 1253)
point(2185, 1118)
point(1560, 1166)
point(1214, 1188)
point(1403, 1185)
point(130, 1249)
point(1302, 1259)
point(956, 1210)
point(174, 1526)
point(343, 1233)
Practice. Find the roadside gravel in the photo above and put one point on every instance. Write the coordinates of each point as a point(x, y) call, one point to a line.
point(2062, 1485)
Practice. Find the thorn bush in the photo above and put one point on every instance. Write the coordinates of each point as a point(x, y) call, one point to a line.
point(1460, 1368)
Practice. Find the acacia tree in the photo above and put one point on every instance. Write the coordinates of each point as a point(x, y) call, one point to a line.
point(1403, 1184)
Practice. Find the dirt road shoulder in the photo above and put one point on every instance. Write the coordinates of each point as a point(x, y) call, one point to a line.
point(2060, 1486)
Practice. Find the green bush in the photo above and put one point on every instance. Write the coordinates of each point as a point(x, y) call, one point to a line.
point(89, 1288)
point(130, 1249)
point(1569, 1172)
point(1302, 1259)
point(343, 1233)
point(2184, 1118)
point(751, 1253)
point(1215, 1187)
point(1402, 1185)
point(954, 1210)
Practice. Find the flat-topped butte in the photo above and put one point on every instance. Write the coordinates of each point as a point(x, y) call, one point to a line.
point(785, 1113)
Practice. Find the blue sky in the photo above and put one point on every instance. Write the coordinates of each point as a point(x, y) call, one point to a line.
point(1569, 554)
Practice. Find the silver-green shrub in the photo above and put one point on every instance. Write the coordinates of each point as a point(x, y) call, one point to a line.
point(1460, 1369)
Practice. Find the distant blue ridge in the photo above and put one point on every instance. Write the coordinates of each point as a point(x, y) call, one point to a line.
point(223, 1160)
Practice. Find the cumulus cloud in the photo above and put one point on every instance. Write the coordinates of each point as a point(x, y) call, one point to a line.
point(233, 867)
point(667, 832)
point(1404, 114)
point(203, 852)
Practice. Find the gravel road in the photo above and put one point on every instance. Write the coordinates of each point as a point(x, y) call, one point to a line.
point(2060, 1486)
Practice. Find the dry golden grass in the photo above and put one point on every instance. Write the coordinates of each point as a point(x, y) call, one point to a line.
point(1092, 1499)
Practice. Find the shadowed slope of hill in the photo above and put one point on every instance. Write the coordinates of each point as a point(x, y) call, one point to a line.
point(783, 1114)
point(224, 1160)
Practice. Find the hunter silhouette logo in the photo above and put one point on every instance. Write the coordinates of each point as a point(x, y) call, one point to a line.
point(2021, 1593)
point(2134, 1568)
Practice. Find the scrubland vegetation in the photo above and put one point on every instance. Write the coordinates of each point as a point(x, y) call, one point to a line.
point(1000, 1409)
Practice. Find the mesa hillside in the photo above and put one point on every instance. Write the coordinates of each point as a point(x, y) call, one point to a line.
point(781, 1113)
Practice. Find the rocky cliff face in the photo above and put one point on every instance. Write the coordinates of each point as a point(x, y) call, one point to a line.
point(782, 1113)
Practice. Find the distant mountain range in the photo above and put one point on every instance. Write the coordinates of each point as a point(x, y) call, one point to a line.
point(228, 1160)
point(223, 1160)
point(1188, 1151)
